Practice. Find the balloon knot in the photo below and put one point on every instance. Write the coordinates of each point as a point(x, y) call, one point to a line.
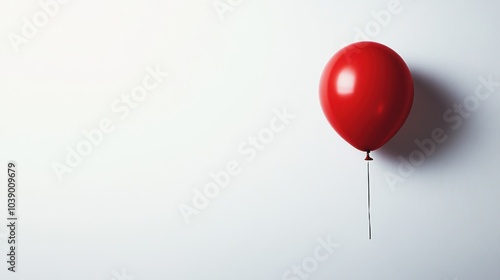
point(368, 156)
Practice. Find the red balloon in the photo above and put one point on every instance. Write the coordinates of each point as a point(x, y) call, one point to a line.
point(366, 93)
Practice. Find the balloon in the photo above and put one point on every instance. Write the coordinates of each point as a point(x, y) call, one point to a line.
point(366, 93)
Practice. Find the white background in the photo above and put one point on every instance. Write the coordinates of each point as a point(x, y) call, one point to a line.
point(118, 213)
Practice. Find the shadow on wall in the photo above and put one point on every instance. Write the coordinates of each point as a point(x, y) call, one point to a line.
point(431, 101)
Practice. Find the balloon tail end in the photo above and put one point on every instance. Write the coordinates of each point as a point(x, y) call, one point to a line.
point(368, 156)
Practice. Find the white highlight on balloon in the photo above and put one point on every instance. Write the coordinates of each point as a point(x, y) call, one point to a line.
point(345, 82)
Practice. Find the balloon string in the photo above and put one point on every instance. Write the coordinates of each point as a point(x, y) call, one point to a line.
point(369, 210)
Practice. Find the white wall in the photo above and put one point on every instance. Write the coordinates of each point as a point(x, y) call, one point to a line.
point(116, 214)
